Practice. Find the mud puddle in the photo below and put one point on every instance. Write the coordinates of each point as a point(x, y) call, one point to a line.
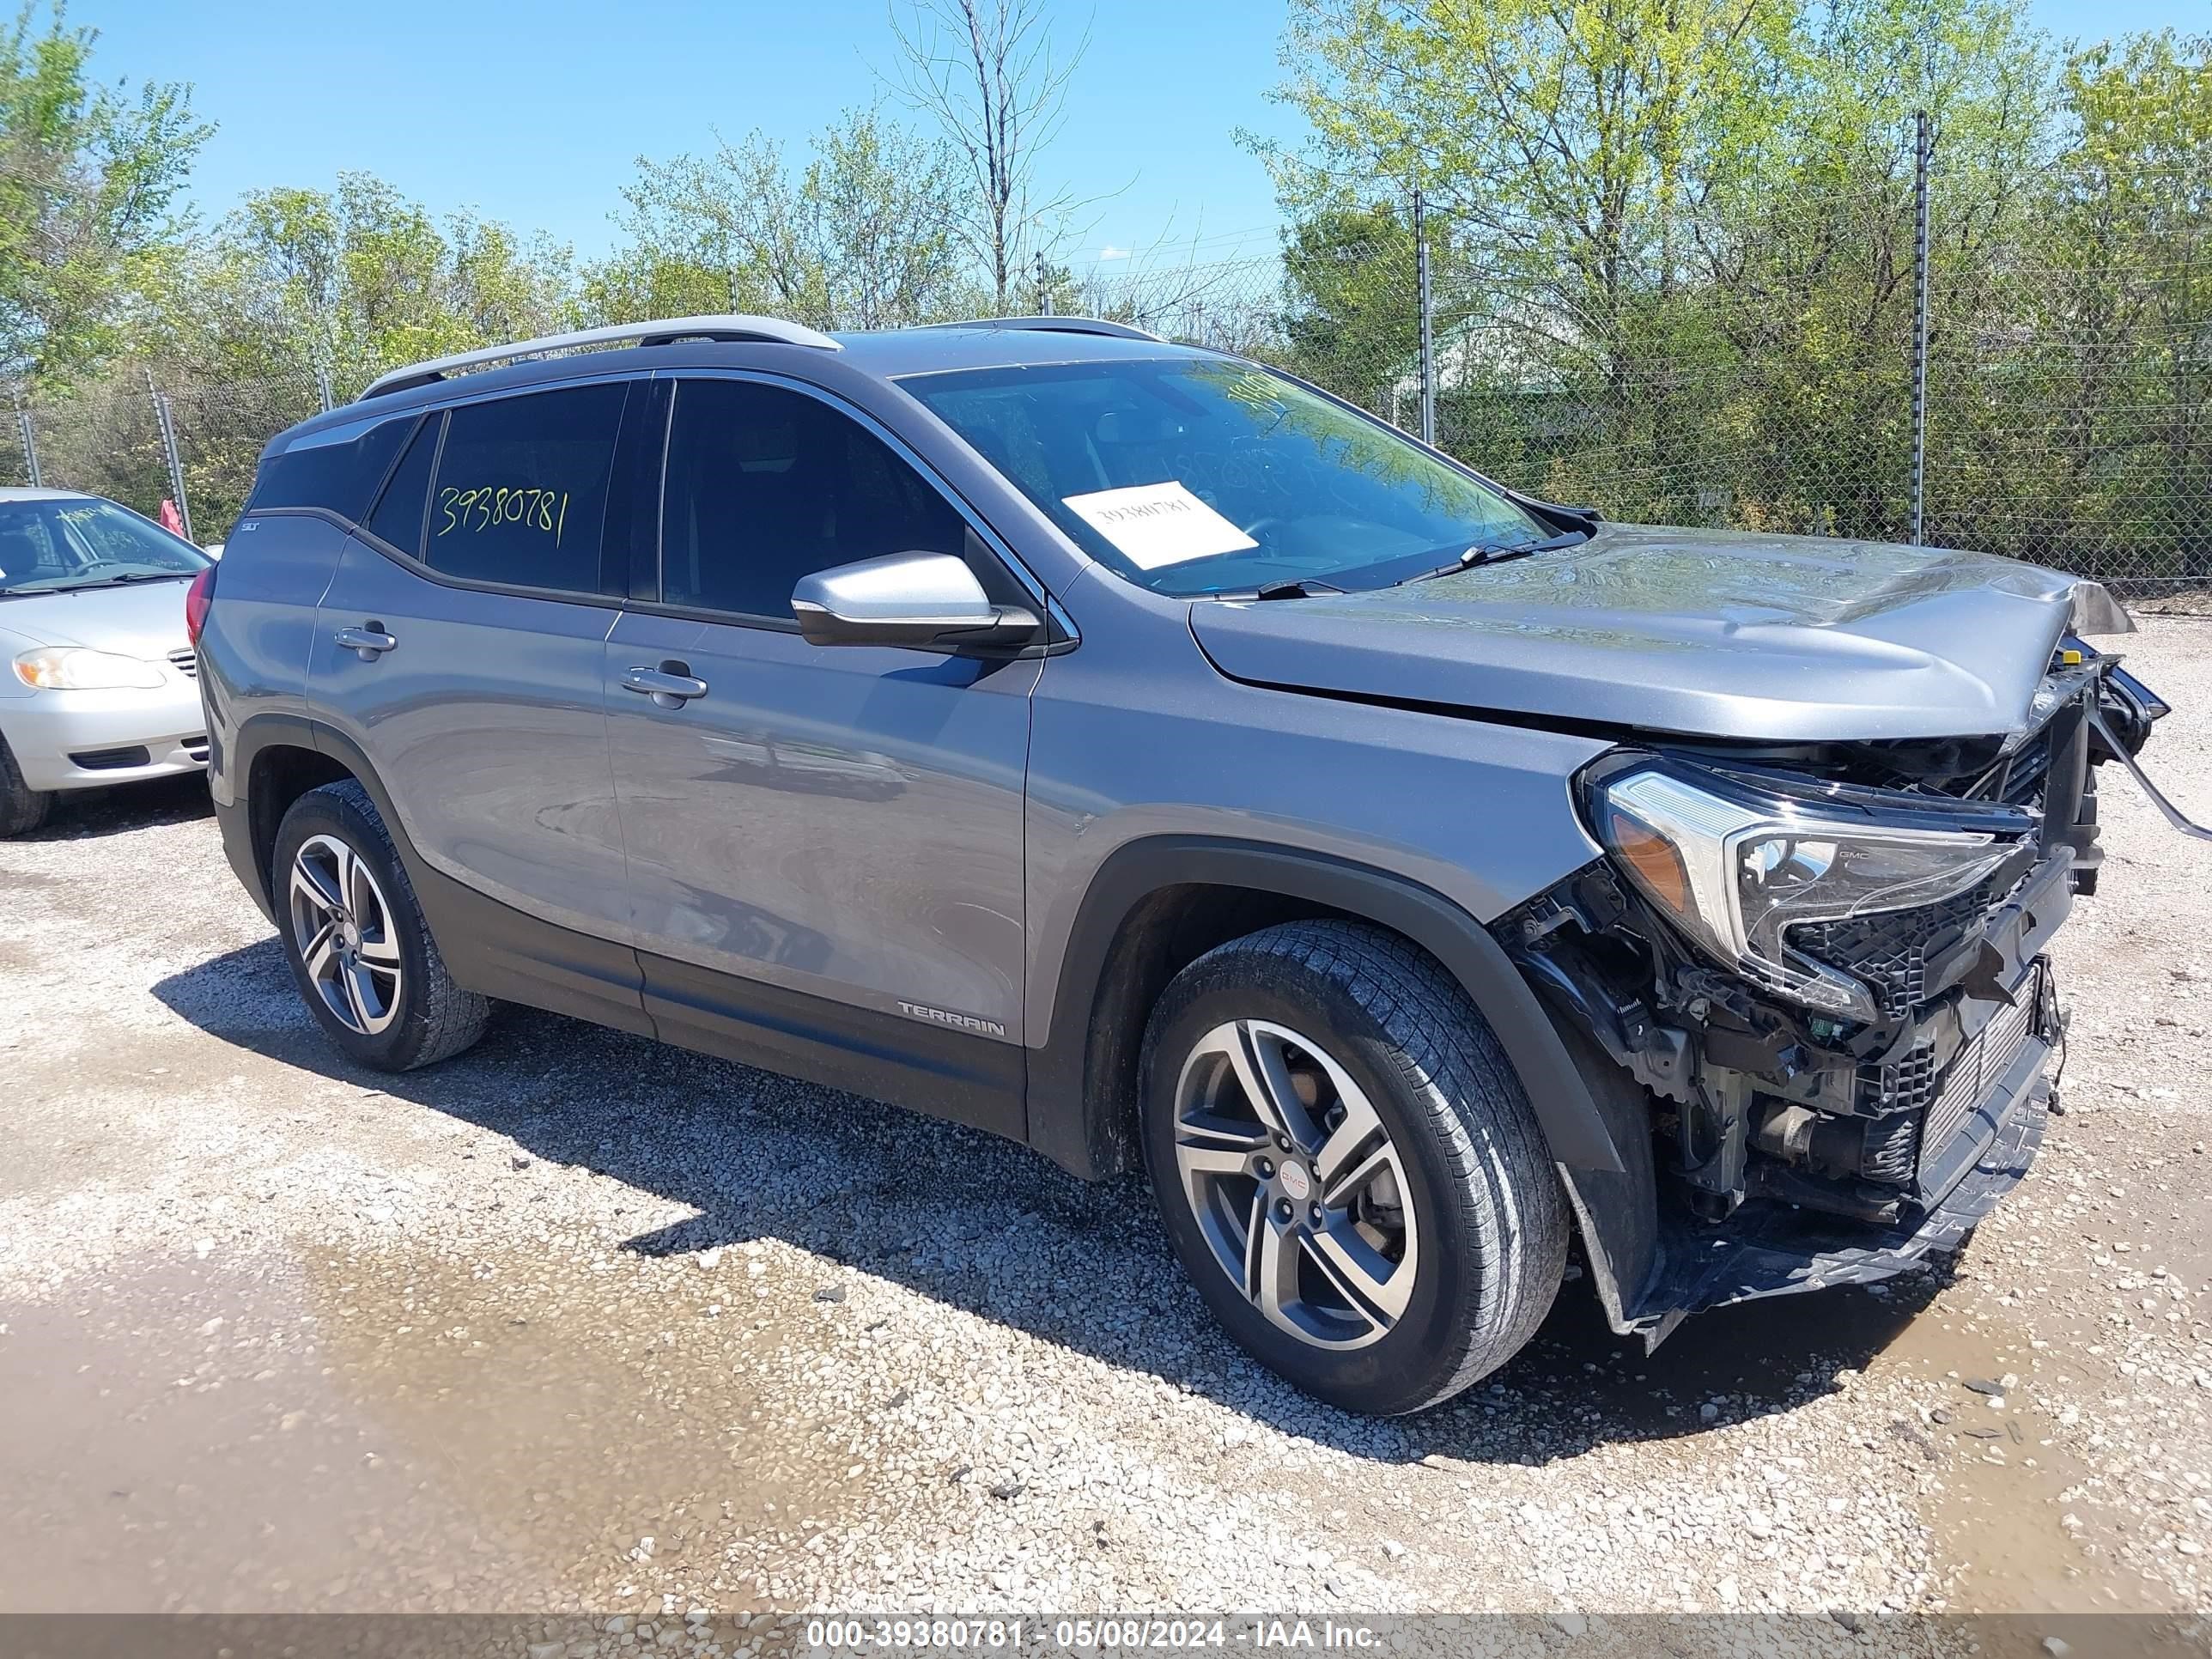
point(393, 1432)
point(2008, 1512)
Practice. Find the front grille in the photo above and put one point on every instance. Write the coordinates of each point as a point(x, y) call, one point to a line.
point(1979, 1066)
point(1902, 1086)
point(1889, 951)
point(186, 663)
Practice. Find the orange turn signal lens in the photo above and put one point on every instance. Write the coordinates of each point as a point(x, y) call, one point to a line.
point(1657, 866)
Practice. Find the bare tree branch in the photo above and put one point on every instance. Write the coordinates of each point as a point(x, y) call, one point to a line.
point(986, 72)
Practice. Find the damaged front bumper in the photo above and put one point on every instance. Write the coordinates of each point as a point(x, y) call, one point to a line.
point(1775, 1249)
point(1766, 1148)
point(1929, 1131)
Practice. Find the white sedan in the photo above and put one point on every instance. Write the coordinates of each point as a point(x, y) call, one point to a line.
point(97, 682)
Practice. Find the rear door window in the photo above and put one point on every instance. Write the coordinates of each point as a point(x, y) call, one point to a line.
point(520, 494)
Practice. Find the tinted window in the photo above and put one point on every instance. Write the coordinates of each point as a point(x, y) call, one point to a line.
point(399, 515)
point(337, 469)
point(766, 486)
point(520, 494)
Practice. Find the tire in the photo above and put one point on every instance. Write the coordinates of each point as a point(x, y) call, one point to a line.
point(1410, 1093)
point(382, 995)
point(22, 809)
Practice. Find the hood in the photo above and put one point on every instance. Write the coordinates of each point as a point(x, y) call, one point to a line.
point(1698, 632)
point(146, 619)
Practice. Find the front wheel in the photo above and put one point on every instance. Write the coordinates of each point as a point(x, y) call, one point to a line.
point(22, 809)
point(1348, 1167)
point(355, 936)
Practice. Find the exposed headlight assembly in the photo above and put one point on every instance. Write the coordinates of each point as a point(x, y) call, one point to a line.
point(1735, 868)
point(73, 668)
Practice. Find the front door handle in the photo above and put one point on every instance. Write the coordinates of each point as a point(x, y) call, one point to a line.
point(671, 686)
point(369, 641)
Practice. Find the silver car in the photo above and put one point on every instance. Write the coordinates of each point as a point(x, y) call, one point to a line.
point(96, 675)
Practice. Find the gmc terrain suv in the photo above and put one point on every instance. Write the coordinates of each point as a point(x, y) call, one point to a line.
point(1136, 752)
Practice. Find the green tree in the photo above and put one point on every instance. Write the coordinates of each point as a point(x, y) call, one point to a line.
point(1351, 319)
point(352, 281)
point(89, 179)
point(860, 236)
point(1563, 138)
point(1674, 237)
point(2098, 392)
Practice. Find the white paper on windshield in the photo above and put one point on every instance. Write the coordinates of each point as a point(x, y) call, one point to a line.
point(1159, 524)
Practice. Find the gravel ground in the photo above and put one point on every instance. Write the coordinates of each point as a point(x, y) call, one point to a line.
point(576, 1322)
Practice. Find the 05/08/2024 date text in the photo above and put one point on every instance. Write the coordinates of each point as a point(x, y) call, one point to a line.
point(827, 1636)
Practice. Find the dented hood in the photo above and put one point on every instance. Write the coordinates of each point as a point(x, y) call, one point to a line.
point(1699, 632)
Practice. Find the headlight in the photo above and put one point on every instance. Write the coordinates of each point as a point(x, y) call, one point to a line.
point(1736, 874)
point(72, 668)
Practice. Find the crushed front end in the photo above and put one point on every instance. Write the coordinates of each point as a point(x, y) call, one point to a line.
point(1818, 972)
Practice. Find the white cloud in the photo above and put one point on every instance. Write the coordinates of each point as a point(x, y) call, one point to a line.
point(1109, 251)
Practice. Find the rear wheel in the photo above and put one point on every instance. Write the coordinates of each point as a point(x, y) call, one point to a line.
point(360, 950)
point(1348, 1167)
point(22, 809)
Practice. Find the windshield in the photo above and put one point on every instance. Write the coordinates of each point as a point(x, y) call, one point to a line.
point(48, 546)
point(1197, 475)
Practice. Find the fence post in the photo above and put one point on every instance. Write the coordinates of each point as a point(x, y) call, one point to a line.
point(1923, 151)
point(1044, 291)
point(166, 423)
point(1428, 319)
point(30, 444)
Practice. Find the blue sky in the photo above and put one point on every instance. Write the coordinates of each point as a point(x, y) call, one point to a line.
point(535, 114)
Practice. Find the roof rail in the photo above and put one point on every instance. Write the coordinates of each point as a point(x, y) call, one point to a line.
point(1061, 326)
point(653, 333)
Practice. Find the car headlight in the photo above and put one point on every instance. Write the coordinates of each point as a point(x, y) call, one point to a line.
point(1736, 873)
point(73, 668)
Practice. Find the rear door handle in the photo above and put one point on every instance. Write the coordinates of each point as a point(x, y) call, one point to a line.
point(369, 640)
point(671, 686)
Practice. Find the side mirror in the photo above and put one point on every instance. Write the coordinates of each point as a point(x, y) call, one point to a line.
point(921, 601)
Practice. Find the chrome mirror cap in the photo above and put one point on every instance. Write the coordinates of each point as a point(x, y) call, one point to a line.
point(919, 601)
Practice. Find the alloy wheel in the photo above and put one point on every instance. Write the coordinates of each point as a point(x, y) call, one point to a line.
point(1296, 1184)
point(342, 929)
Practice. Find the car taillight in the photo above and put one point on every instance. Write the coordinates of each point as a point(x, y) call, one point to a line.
point(198, 597)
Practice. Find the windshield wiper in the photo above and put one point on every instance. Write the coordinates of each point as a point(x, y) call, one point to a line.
point(1480, 555)
point(124, 581)
point(1299, 587)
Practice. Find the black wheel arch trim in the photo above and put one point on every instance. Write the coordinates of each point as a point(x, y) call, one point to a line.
point(1073, 1122)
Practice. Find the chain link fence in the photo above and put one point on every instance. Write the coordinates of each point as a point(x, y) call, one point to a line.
point(1758, 374)
point(144, 438)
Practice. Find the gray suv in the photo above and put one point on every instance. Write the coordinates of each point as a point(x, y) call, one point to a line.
point(1136, 752)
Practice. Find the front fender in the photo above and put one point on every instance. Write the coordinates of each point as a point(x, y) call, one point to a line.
point(1070, 1126)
